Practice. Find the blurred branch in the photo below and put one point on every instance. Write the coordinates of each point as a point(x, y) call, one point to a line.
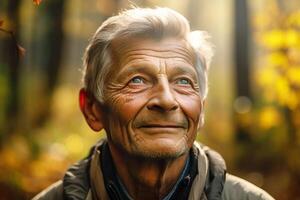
point(19, 48)
point(11, 56)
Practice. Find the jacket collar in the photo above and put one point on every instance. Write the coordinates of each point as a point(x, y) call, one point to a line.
point(205, 178)
point(116, 190)
point(108, 186)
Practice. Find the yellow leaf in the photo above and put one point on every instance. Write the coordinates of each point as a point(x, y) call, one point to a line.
point(292, 101)
point(293, 75)
point(277, 59)
point(283, 90)
point(267, 77)
point(273, 39)
point(292, 38)
point(269, 117)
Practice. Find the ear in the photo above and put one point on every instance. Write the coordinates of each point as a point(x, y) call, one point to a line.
point(201, 119)
point(91, 110)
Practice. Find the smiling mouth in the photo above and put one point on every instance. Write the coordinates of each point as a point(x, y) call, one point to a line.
point(162, 126)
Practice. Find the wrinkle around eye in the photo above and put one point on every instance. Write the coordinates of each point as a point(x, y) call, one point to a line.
point(115, 86)
point(190, 88)
point(138, 86)
point(190, 81)
point(187, 91)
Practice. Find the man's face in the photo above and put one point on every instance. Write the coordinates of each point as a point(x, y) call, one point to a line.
point(152, 98)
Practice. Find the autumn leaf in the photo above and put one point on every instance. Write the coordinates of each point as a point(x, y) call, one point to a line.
point(37, 2)
point(269, 117)
point(1, 23)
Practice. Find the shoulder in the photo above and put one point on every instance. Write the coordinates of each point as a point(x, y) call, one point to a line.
point(54, 191)
point(237, 188)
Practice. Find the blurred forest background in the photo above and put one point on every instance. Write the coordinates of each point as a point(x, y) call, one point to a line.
point(252, 111)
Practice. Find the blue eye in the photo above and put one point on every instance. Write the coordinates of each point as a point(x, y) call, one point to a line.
point(183, 81)
point(137, 80)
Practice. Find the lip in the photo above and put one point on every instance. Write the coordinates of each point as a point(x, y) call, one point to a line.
point(161, 126)
point(159, 129)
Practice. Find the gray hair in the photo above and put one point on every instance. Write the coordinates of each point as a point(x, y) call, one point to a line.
point(155, 23)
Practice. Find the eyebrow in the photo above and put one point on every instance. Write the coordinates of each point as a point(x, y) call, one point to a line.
point(146, 68)
point(139, 67)
point(184, 69)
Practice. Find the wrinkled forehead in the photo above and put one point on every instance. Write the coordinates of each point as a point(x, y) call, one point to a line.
point(166, 48)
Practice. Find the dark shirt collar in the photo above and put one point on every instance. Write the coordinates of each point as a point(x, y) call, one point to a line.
point(183, 174)
point(117, 191)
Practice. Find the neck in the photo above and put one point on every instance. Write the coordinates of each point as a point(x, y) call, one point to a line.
point(147, 178)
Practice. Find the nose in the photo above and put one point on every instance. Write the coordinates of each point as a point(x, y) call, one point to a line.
point(163, 100)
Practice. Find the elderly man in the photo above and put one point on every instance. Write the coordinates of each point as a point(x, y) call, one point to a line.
point(145, 85)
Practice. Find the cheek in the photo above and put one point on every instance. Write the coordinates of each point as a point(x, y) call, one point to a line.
point(191, 106)
point(126, 107)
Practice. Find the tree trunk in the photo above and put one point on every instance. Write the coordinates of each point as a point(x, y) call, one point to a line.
point(242, 59)
point(48, 46)
point(10, 59)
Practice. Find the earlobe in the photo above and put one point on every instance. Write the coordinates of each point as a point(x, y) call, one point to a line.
point(91, 110)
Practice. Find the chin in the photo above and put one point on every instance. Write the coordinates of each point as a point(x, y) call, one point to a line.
point(161, 150)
